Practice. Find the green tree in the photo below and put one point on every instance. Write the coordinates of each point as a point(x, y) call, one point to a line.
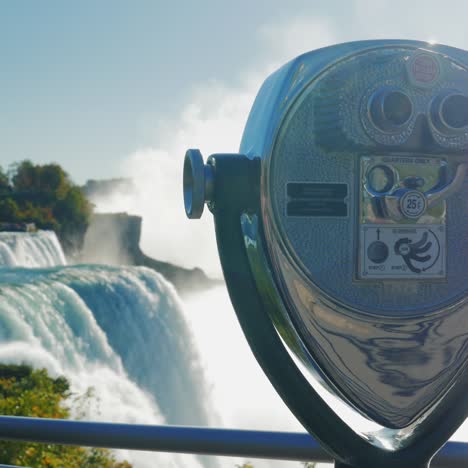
point(28, 392)
point(9, 211)
point(74, 207)
point(72, 213)
point(53, 180)
point(25, 176)
point(45, 195)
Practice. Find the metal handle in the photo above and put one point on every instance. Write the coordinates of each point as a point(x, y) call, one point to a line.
point(198, 183)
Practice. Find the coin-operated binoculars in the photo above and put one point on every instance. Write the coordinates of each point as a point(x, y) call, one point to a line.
point(342, 229)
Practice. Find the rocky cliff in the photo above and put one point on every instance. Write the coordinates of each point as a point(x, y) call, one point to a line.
point(114, 239)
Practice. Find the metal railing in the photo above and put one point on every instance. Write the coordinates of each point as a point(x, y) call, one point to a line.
point(193, 440)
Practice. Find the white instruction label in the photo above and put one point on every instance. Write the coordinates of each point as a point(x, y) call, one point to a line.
point(402, 251)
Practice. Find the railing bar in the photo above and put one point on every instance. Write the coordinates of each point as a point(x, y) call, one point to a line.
point(194, 440)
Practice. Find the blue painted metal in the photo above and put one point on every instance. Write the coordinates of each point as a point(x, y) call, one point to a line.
point(195, 440)
point(177, 439)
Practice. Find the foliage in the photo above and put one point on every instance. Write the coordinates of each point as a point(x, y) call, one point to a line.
point(45, 195)
point(8, 209)
point(28, 392)
point(4, 182)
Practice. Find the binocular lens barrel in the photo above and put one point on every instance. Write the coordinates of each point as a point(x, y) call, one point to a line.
point(454, 111)
point(397, 107)
point(390, 109)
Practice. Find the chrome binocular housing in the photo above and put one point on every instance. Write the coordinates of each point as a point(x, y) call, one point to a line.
point(342, 228)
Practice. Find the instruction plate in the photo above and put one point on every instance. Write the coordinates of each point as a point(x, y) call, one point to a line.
point(402, 251)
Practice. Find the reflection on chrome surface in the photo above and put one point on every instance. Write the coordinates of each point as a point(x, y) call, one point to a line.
point(370, 272)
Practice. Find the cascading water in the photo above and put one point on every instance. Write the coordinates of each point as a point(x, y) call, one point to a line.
point(98, 313)
point(117, 331)
point(31, 250)
point(147, 356)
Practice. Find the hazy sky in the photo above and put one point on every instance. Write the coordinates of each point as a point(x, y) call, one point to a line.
point(89, 83)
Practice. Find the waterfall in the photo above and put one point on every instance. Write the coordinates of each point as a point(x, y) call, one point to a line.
point(32, 250)
point(117, 331)
point(123, 336)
